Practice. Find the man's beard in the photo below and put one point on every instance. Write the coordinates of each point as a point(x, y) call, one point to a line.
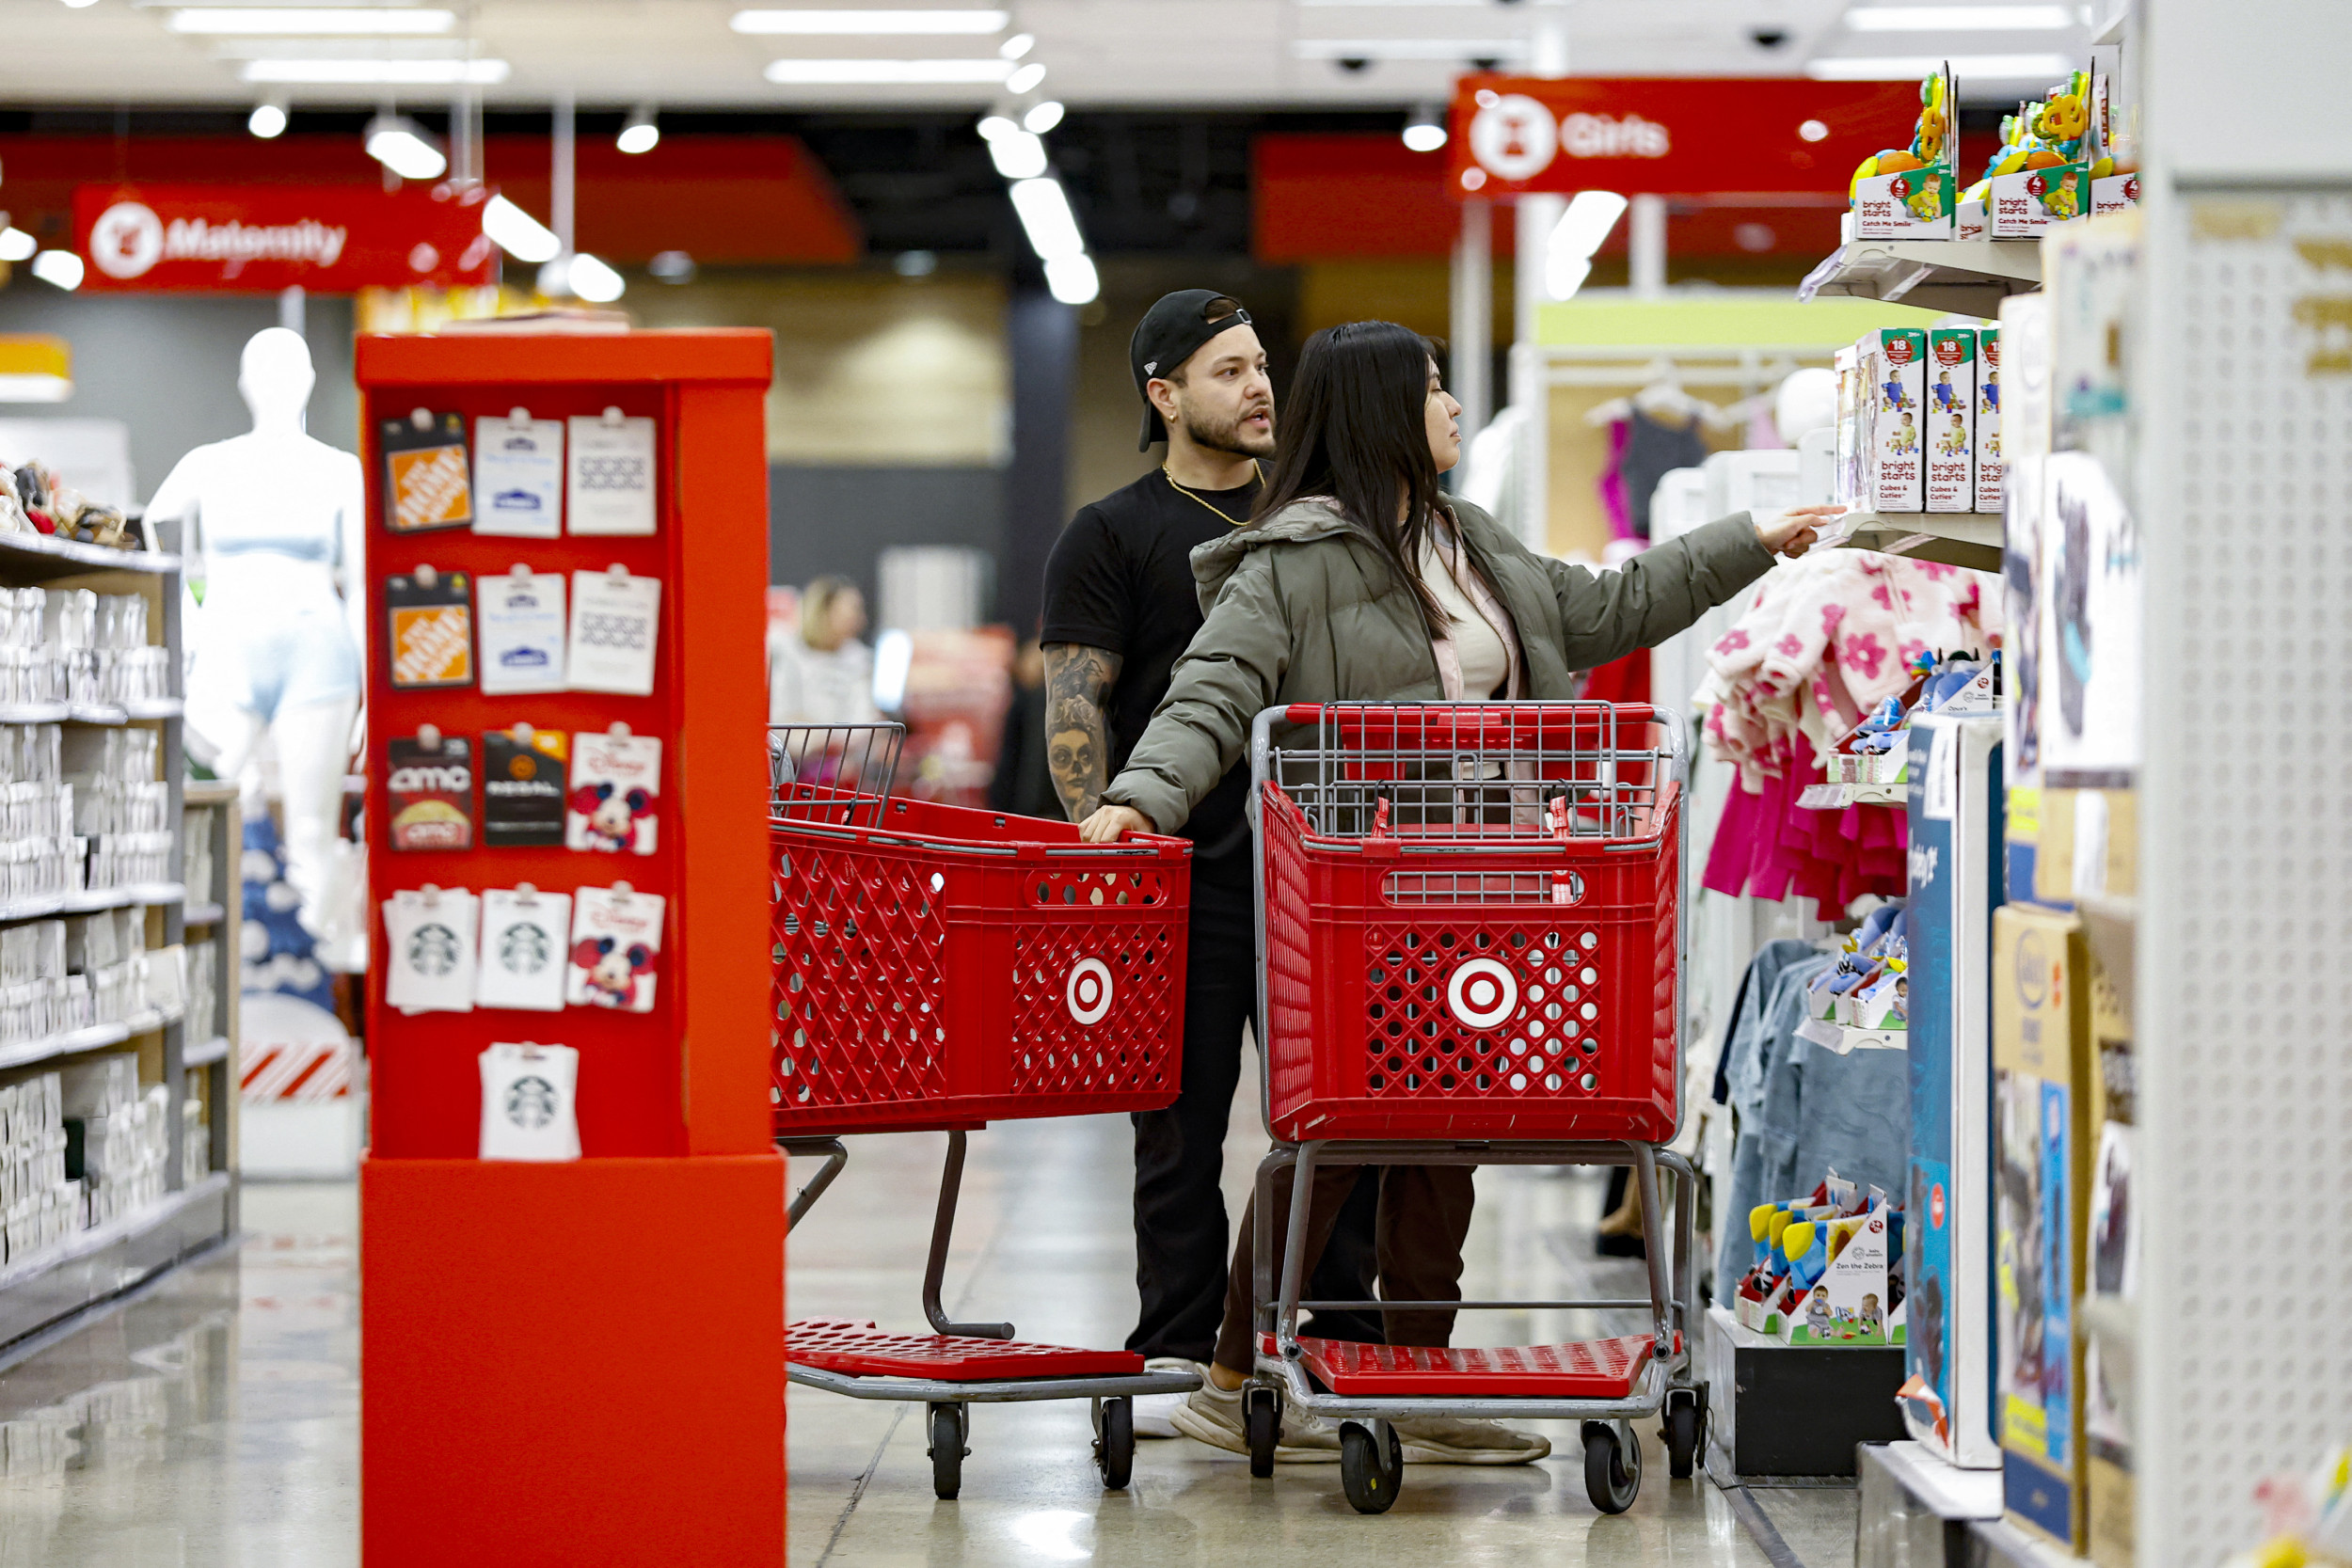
point(1228, 434)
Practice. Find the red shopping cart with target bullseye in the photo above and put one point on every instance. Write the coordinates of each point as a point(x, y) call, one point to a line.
point(1469, 930)
point(937, 968)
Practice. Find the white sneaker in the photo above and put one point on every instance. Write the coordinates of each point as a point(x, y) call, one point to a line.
point(1446, 1440)
point(1155, 1414)
point(1213, 1415)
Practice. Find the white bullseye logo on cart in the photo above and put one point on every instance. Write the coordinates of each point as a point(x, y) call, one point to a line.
point(1481, 993)
point(1089, 992)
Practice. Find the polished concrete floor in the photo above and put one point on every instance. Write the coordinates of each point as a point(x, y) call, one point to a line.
point(214, 1419)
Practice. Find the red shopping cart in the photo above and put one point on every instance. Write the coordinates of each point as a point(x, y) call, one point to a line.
point(937, 968)
point(1470, 927)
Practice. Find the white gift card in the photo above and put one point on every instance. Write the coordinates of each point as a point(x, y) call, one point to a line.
point(616, 948)
point(610, 485)
point(518, 476)
point(616, 794)
point(523, 932)
point(523, 629)
point(429, 946)
point(614, 620)
point(530, 1102)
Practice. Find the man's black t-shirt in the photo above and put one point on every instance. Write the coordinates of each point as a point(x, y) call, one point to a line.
point(1120, 579)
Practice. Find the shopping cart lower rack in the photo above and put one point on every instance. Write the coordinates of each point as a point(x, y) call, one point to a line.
point(937, 968)
point(1469, 931)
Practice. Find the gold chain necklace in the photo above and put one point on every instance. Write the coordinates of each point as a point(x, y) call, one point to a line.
point(1256, 474)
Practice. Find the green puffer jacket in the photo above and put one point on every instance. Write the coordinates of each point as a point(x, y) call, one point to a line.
point(1302, 607)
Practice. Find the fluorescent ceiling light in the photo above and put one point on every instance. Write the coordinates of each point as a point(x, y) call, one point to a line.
point(1424, 129)
point(1962, 19)
point(1071, 279)
point(17, 245)
point(400, 146)
point(1409, 49)
point(518, 234)
point(844, 23)
point(593, 280)
point(1897, 67)
point(61, 268)
point(1043, 117)
point(1026, 79)
point(266, 120)
point(387, 74)
point(1018, 155)
point(1419, 5)
point(1017, 45)
point(642, 133)
point(993, 126)
point(887, 73)
point(1586, 223)
point(1046, 218)
point(349, 21)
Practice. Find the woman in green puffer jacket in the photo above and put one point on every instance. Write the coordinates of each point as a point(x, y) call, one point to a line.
point(1357, 581)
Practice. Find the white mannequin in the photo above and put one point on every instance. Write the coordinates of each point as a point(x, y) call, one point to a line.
point(272, 523)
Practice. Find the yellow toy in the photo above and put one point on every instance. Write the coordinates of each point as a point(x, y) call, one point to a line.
point(2064, 117)
point(1927, 138)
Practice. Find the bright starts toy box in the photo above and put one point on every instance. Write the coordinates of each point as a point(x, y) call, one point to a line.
point(1949, 430)
point(1850, 1304)
point(1894, 390)
point(1988, 476)
point(1909, 204)
point(2033, 201)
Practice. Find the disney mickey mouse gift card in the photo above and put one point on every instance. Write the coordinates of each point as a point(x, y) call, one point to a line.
point(616, 791)
point(616, 946)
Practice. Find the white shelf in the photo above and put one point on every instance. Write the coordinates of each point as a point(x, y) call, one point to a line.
point(205, 1053)
point(96, 1038)
point(1837, 797)
point(1845, 1039)
point(34, 713)
point(99, 1237)
point(1968, 276)
point(203, 914)
point(88, 713)
point(1970, 539)
point(155, 707)
point(45, 555)
point(88, 901)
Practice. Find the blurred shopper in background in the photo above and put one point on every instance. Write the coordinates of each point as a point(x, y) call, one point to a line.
point(822, 673)
point(1120, 606)
point(1356, 580)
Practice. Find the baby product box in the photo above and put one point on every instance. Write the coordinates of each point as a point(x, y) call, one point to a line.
point(1950, 414)
point(2112, 1266)
point(1895, 379)
point(2042, 1088)
point(1969, 221)
point(1848, 1305)
point(2031, 201)
point(1988, 419)
point(1912, 204)
point(1846, 468)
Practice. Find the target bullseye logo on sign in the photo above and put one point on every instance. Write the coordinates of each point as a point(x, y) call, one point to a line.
point(1481, 993)
point(1089, 992)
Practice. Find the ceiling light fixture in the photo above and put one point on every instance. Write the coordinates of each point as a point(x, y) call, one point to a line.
point(78, 5)
point(1026, 79)
point(1041, 117)
point(993, 126)
point(593, 280)
point(1968, 67)
point(887, 73)
point(1568, 254)
point(1046, 218)
point(1451, 50)
point(58, 268)
point(376, 72)
point(518, 234)
point(267, 120)
point(403, 146)
point(353, 20)
point(1018, 154)
point(1017, 45)
point(1962, 19)
point(17, 245)
point(641, 132)
point(849, 23)
point(1424, 129)
point(1071, 279)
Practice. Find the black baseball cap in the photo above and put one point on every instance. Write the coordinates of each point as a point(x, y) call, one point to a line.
point(1170, 333)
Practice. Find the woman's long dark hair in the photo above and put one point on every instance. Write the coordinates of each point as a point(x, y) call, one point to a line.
point(1356, 429)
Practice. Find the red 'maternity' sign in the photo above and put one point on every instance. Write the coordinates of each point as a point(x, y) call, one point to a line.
point(258, 239)
point(1663, 135)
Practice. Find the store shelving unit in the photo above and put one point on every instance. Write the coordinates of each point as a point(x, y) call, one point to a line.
point(214, 911)
point(106, 1259)
point(1837, 797)
point(1970, 539)
point(639, 1289)
point(1968, 276)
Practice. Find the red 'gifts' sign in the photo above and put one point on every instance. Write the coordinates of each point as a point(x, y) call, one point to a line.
point(258, 239)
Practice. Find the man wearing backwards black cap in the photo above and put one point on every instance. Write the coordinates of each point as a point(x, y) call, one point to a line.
point(1120, 607)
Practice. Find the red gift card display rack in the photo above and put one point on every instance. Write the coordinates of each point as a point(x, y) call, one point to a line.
point(575, 1361)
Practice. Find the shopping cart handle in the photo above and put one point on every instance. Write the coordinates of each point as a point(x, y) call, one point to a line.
point(1458, 713)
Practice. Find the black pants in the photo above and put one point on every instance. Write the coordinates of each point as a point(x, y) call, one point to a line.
point(1181, 1233)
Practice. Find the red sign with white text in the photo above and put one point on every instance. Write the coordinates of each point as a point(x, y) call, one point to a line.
point(258, 239)
point(1664, 136)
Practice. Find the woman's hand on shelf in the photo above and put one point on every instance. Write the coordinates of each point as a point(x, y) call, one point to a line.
point(1110, 823)
point(1792, 533)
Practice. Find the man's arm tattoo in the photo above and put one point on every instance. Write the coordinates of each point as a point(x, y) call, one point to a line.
point(1077, 740)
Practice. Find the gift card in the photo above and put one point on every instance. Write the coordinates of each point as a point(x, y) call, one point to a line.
point(610, 486)
point(425, 481)
point(522, 949)
point(518, 476)
point(522, 788)
point(614, 621)
point(431, 628)
point(616, 948)
point(530, 1107)
point(431, 785)
point(429, 948)
point(522, 632)
point(615, 794)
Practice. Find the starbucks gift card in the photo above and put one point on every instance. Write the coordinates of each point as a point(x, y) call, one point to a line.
point(426, 483)
point(518, 476)
point(430, 630)
point(429, 950)
point(431, 785)
point(522, 788)
point(529, 1108)
point(523, 932)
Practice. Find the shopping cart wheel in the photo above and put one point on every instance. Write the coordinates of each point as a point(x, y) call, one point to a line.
point(1263, 1423)
point(1115, 1443)
point(1612, 1465)
point(1686, 1420)
point(949, 1428)
point(1370, 1476)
